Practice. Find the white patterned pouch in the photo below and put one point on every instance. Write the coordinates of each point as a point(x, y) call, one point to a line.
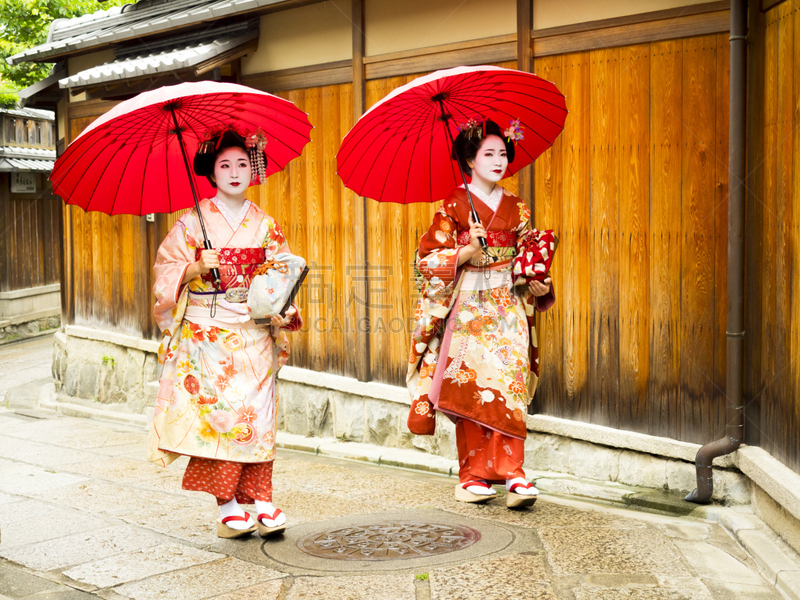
point(275, 285)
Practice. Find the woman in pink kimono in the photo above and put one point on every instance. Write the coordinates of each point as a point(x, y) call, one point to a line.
point(216, 400)
point(473, 351)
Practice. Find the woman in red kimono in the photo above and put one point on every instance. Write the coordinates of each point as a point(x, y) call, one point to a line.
point(473, 352)
point(216, 400)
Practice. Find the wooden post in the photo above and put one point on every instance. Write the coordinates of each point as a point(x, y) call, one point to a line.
point(359, 279)
point(67, 271)
point(525, 63)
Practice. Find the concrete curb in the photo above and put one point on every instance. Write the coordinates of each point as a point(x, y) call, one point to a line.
point(27, 338)
point(47, 400)
point(621, 439)
point(780, 568)
point(416, 460)
point(776, 479)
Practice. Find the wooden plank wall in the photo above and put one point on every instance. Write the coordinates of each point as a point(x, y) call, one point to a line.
point(30, 244)
point(636, 188)
point(108, 275)
point(317, 216)
point(773, 236)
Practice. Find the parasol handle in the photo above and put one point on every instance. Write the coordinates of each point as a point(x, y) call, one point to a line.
point(214, 272)
point(475, 217)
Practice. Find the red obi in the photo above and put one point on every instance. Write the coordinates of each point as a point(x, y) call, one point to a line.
point(494, 239)
point(236, 266)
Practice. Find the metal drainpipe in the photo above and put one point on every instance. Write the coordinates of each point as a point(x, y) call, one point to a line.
point(736, 206)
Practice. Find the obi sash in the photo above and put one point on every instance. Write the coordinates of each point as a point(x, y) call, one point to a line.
point(236, 266)
point(494, 239)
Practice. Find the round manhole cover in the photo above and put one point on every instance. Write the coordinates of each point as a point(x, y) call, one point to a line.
point(388, 541)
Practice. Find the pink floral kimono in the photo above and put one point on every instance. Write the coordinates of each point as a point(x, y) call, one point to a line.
point(216, 398)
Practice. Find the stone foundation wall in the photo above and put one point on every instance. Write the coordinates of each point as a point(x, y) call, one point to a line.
point(29, 328)
point(30, 311)
point(109, 370)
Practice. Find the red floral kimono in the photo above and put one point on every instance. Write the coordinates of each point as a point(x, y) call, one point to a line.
point(474, 350)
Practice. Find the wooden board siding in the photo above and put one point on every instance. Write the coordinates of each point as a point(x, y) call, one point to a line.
point(108, 275)
point(548, 191)
point(641, 294)
point(317, 216)
point(634, 227)
point(773, 237)
point(30, 254)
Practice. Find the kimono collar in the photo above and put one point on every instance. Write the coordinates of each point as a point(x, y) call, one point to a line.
point(492, 200)
point(234, 220)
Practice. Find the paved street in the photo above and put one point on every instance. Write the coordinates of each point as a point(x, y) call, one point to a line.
point(25, 363)
point(83, 515)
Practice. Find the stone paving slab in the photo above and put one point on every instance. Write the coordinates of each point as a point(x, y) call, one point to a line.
point(25, 361)
point(789, 584)
point(79, 548)
point(712, 563)
point(580, 549)
point(49, 522)
point(195, 525)
point(6, 498)
point(27, 480)
point(40, 454)
point(724, 590)
point(101, 497)
point(18, 583)
point(386, 587)
point(270, 590)
point(768, 555)
point(140, 564)
point(198, 582)
point(513, 576)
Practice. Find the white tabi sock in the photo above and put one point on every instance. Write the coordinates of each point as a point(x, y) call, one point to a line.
point(522, 491)
point(268, 509)
point(232, 509)
point(480, 490)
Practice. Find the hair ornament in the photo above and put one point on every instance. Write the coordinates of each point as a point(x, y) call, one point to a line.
point(213, 136)
point(514, 132)
point(256, 143)
point(472, 129)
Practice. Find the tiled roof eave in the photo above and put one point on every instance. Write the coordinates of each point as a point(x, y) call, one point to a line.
point(9, 165)
point(118, 31)
point(27, 153)
point(158, 63)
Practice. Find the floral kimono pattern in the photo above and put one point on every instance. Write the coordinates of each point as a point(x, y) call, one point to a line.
point(216, 396)
point(474, 349)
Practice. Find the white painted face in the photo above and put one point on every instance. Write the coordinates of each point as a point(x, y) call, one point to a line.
point(232, 172)
point(491, 162)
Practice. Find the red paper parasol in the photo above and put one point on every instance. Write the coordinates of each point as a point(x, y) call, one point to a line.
point(131, 160)
point(399, 150)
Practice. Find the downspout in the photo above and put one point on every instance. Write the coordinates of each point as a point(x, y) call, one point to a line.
point(736, 209)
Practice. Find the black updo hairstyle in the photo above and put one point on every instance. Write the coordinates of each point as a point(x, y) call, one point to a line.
point(204, 161)
point(466, 148)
